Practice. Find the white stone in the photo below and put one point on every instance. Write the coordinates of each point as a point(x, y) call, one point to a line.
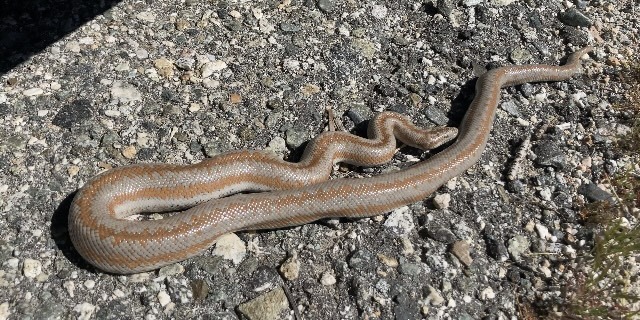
point(442, 201)
point(434, 297)
point(163, 298)
point(33, 92)
point(543, 231)
point(147, 16)
point(4, 311)
point(230, 247)
point(210, 67)
point(70, 286)
point(545, 270)
point(31, 268)
point(89, 284)
point(12, 263)
point(328, 279)
point(171, 270)
point(112, 113)
point(291, 64)
point(125, 92)
point(85, 309)
point(487, 294)
point(379, 11)
point(502, 3)
point(400, 221)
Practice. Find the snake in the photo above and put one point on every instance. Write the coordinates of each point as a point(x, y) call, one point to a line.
point(251, 190)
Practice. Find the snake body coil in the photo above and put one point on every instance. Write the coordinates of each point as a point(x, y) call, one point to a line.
point(298, 193)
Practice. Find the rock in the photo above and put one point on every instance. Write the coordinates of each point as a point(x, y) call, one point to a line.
point(496, 248)
point(164, 298)
point(326, 6)
point(502, 3)
point(327, 278)
point(31, 268)
point(358, 113)
point(443, 235)
point(171, 270)
point(146, 16)
point(517, 246)
point(406, 308)
point(487, 294)
point(361, 260)
point(434, 298)
point(290, 269)
point(548, 153)
point(593, 193)
point(124, 92)
point(268, 306)
point(445, 7)
point(230, 247)
point(85, 309)
point(33, 92)
point(277, 145)
point(400, 221)
point(165, 67)
point(295, 138)
point(379, 11)
point(75, 114)
point(436, 115)
point(461, 250)
point(409, 268)
point(442, 201)
point(210, 68)
point(511, 108)
point(520, 56)
point(543, 231)
point(199, 289)
point(574, 18)
point(4, 310)
point(129, 152)
point(388, 261)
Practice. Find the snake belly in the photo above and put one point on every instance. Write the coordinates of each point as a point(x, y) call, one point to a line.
point(283, 193)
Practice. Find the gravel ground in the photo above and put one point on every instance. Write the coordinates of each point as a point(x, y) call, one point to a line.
point(179, 81)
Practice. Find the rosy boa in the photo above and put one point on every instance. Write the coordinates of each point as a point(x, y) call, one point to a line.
point(286, 194)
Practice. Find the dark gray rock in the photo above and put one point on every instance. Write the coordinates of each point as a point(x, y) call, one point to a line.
point(593, 193)
point(549, 153)
point(574, 18)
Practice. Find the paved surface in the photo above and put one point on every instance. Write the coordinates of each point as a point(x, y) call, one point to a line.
point(112, 84)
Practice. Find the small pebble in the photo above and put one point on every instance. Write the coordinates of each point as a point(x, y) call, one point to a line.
point(85, 309)
point(163, 298)
point(442, 201)
point(230, 247)
point(460, 250)
point(89, 284)
point(210, 68)
point(487, 294)
point(389, 261)
point(434, 297)
point(328, 279)
point(290, 269)
point(543, 231)
point(33, 92)
point(31, 268)
point(129, 152)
